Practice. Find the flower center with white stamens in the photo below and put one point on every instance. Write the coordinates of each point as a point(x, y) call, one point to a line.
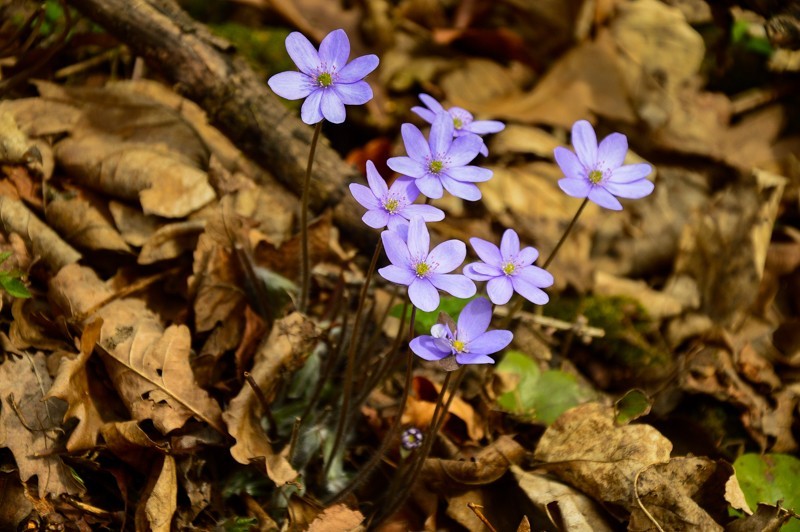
point(325, 79)
point(422, 269)
point(458, 123)
point(435, 166)
point(509, 268)
point(391, 205)
point(595, 176)
point(459, 346)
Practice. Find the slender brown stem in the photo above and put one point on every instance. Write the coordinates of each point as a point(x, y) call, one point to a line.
point(262, 399)
point(566, 234)
point(305, 262)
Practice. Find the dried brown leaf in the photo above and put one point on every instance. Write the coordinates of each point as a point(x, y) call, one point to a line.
point(486, 467)
point(157, 507)
point(171, 241)
point(135, 226)
point(130, 443)
point(338, 518)
point(767, 518)
point(82, 222)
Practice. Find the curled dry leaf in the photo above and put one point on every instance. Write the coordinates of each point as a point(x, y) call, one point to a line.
point(83, 224)
point(134, 226)
point(171, 241)
point(337, 518)
point(419, 410)
point(158, 506)
point(486, 467)
point(30, 426)
point(15, 147)
point(130, 443)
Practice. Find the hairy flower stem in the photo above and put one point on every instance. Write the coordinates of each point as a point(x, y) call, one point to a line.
point(305, 262)
point(344, 415)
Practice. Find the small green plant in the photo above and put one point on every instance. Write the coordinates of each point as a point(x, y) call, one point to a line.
point(11, 280)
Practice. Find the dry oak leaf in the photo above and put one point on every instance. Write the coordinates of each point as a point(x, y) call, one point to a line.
point(338, 518)
point(284, 350)
point(156, 511)
point(30, 426)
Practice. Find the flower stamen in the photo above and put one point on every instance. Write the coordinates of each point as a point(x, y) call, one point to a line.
point(391, 205)
point(595, 176)
point(458, 123)
point(421, 269)
point(436, 166)
point(325, 79)
point(509, 268)
point(459, 346)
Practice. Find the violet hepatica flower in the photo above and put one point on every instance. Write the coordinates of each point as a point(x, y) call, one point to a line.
point(391, 206)
point(441, 161)
point(326, 79)
point(425, 272)
point(509, 269)
point(463, 121)
point(597, 172)
point(470, 343)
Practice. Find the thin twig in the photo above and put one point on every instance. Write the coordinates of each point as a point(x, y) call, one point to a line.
point(639, 501)
point(476, 508)
point(262, 399)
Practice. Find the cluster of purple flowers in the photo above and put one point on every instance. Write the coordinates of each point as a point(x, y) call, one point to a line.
point(438, 163)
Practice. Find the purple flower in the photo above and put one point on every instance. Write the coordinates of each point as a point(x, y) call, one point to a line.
point(509, 269)
point(597, 172)
point(411, 438)
point(326, 79)
point(391, 206)
point(422, 271)
point(441, 161)
point(470, 343)
point(463, 121)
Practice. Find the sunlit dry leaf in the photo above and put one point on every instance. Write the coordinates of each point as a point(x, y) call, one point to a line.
point(135, 226)
point(14, 144)
point(158, 505)
point(768, 518)
point(486, 466)
point(171, 241)
point(419, 409)
point(735, 496)
point(30, 427)
point(82, 223)
point(658, 305)
point(338, 518)
point(39, 117)
point(25, 332)
point(516, 138)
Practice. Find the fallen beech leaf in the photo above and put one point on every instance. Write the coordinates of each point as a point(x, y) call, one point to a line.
point(130, 443)
point(419, 409)
point(82, 223)
point(30, 425)
point(171, 241)
point(486, 467)
point(338, 518)
point(768, 518)
point(134, 226)
point(161, 498)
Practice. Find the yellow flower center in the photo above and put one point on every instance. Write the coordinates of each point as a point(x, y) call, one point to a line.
point(458, 123)
point(421, 269)
point(509, 268)
point(391, 205)
point(595, 176)
point(436, 166)
point(459, 346)
point(324, 80)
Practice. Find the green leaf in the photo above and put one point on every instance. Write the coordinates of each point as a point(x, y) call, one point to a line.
point(769, 478)
point(4, 256)
point(537, 395)
point(239, 524)
point(15, 287)
point(423, 321)
point(633, 405)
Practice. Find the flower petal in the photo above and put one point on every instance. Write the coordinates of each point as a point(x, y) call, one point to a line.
point(398, 224)
point(396, 249)
point(577, 188)
point(407, 166)
point(500, 290)
point(630, 172)
point(530, 292)
point(603, 197)
point(423, 295)
point(376, 218)
point(569, 163)
point(464, 149)
point(364, 196)
point(488, 269)
point(334, 50)
point(474, 319)
point(441, 135)
point(527, 256)
point(425, 114)
point(585, 142)
point(310, 112)
point(376, 182)
point(490, 342)
point(430, 186)
point(448, 255)
point(332, 107)
point(488, 252)
point(536, 276)
point(357, 93)
point(483, 127)
point(470, 174)
point(291, 85)
point(416, 146)
point(426, 348)
point(633, 190)
point(454, 284)
point(419, 240)
point(467, 191)
point(470, 271)
point(612, 151)
point(406, 187)
point(471, 358)
point(398, 275)
point(358, 68)
point(303, 53)
point(509, 244)
point(431, 103)
point(429, 213)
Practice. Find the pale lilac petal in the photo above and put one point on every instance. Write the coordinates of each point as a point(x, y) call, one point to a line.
point(569, 163)
point(431, 102)
point(397, 224)
point(470, 271)
point(364, 196)
point(429, 213)
point(419, 240)
point(448, 255)
point(634, 190)
point(530, 292)
point(527, 256)
point(377, 218)
point(488, 252)
point(427, 348)
point(310, 112)
point(425, 114)
point(585, 142)
point(577, 188)
point(441, 135)
point(612, 150)
point(536, 276)
point(630, 172)
point(430, 186)
point(483, 127)
point(487, 269)
point(334, 50)
point(454, 284)
point(474, 319)
point(396, 249)
point(471, 358)
point(500, 290)
point(405, 186)
point(490, 342)
point(464, 149)
point(332, 107)
point(376, 182)
point(423, 295)
point(509, 244)
point(302, 53)
point(407, 166)
point(357, 93)
point(467, 191)
point(358, 68)
point(396, 274)
point(484, 150)
point(291, 85)
point(604, 198)
point(416, 146)
point(469, 174)
point(440, 330)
